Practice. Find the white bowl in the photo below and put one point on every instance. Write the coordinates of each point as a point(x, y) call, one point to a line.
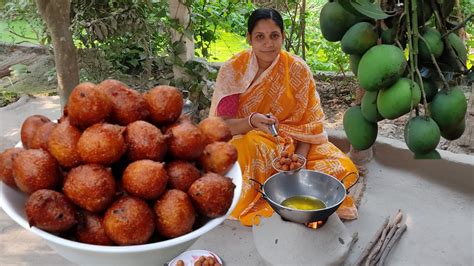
point(13, 202)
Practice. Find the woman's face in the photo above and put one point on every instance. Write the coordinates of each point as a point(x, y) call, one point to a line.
point(266, 40)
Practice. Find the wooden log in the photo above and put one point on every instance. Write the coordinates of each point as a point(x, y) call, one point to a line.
point(377, 247)
point(394, 225)
point(371, 243)
point(392, 242)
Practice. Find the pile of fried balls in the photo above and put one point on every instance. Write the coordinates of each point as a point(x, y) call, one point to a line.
point(121, 167)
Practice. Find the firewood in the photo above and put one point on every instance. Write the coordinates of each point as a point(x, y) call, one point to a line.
point(394, 225)
point(392, 242)
point(371, 243)
point(377, 247)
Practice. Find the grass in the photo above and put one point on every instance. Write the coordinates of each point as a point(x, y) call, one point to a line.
point(227, 46)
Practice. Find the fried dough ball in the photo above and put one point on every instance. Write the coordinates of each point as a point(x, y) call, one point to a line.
point(41, 137)
point(90, 186)
point(29, 128)
point(102, 144)
point(50, 210)
point(215, 129)
point(34, 170)
point(87, 105)
point(63, 144)
point(175, 214)
point(185, 140)
point(145, 141)
point(181, 174)
point(165, 104)
point(145, 179)
point(6, 165)
point(90, 229)
point(218, 157)
point(129, 221)
point(212, 194)
point(128, 105)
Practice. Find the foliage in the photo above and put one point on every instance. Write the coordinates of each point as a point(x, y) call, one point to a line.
point(7, 97)
point(209, 17)
point(24, 10)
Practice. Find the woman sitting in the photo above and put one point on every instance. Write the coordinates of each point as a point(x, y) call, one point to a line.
point(266, 85)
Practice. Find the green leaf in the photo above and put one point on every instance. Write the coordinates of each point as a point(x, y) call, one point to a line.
point(369, 9)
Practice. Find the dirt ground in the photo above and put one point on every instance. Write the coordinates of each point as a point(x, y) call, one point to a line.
point(34, 75)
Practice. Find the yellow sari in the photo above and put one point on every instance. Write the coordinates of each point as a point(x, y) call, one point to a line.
point(287, 90)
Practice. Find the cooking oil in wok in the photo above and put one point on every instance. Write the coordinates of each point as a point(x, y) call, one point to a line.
point(306, 203)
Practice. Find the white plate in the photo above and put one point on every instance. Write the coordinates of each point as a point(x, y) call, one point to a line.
point(191, 256)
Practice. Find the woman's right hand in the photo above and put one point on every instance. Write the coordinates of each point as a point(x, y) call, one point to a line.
point(262, 122)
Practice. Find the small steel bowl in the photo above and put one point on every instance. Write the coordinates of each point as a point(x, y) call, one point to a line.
point(289, 171)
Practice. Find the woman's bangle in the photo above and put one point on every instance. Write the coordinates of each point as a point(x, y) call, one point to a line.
point(250, 120)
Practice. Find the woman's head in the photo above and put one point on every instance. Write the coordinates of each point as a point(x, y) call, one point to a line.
point(265, 34)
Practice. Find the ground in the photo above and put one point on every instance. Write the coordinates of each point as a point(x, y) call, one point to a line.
point(34, 75)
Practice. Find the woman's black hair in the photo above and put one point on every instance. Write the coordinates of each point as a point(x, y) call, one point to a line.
point(264, 13)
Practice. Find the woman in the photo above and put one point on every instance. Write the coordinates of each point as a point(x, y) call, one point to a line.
point(263, 86)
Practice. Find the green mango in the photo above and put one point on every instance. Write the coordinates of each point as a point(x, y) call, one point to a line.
point(429, 86)
point(334, 21)
point(422, 134)
point(369, 107)
point(448, 108)
point(354, 60)
point(396, 100)
point(455, 132)
point(359, 38)
point(433, 41)
point(360, 132)
point(431, 155)
point(380, 67)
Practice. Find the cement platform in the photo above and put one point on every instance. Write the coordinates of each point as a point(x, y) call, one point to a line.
point(436, 196)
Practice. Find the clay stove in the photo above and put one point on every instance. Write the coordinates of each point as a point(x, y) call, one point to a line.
point(284, 242)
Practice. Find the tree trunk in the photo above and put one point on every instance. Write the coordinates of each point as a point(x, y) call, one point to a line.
point(180, 12)
point(56, 15)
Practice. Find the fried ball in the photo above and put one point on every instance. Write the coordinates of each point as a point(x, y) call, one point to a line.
point(90, 229)
point(50, 210)
point(185, 140)
point(218, 157)
point(145, 141)
point(215, 129)
point(102, 144)
point(212, 194)
point(63, 144)
point(41, 137)
point(129, 221)
point(29, 128)
point(127, 105)
point(175, 214)
point(87, 105)
point(90, 186)
point(165, 104)
point(181, 174)
point(34, 170)
point(145, 179)
point(6, 165)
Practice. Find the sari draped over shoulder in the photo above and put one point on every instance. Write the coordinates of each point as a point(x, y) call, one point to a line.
point(287, 90)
